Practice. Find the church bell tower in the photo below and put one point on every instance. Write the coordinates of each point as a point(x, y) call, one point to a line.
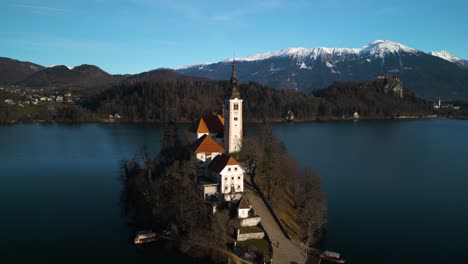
point(233, 116)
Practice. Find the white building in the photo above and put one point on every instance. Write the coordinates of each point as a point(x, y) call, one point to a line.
point(356, 115)
point(9, 101)
point(244, 208)
point(233, 117)
point(230, 176)
point(438, 105)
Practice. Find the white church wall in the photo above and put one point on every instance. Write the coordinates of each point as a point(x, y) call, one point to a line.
point(251, 221)
point(243, 213)
point(234, 123)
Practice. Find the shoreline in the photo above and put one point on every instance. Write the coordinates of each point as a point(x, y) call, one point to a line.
point(317, 119)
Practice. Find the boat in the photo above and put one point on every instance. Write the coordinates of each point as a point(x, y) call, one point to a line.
point(145, 236)
point(332, 256)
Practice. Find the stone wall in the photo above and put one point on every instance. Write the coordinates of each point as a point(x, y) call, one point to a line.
point(249, 236)
point(209, 190)
point(251, 221)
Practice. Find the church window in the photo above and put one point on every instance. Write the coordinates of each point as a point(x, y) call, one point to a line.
point(225, 178)
point(235, 168)
point(235, 118)
point(226, 188)
point(238, 177)
point(232, 178)
point(236, 106)
point(229, 169)
point(238, 186)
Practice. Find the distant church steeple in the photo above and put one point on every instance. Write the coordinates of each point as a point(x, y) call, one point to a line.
point(233, 128)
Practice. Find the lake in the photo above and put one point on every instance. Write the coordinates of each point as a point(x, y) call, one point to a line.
point(396, 190)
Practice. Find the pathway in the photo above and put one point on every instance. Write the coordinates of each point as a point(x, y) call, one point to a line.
point(286, 252)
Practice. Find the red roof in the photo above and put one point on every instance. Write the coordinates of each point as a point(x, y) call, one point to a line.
point(221, 161)
point(206, 144)
point(209, 124)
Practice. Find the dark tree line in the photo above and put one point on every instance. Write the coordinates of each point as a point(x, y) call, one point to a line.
point(370, 99)
point(187, 100)
point(161, 101)
point(63, 113)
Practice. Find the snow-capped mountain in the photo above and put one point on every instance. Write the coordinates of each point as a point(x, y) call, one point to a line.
point(445, 55)
point(450, 57)
point(309, 69)
point(378, 48)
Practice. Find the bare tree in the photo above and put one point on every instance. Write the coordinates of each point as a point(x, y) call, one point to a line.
point(312, 206)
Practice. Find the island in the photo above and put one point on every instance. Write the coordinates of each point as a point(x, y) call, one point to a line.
point(223, 196)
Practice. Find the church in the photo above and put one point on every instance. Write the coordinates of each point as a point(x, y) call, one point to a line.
point(216, 136)
point(219, 176)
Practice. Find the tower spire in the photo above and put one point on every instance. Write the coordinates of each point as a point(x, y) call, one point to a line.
point(234, 90)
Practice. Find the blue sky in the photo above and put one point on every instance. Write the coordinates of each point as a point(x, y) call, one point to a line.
point(130, 36)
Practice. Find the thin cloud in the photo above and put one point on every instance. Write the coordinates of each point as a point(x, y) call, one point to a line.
point(236, 14)
point(214, 14)
point(40, 8)
point(270, 4)
point(95, 46)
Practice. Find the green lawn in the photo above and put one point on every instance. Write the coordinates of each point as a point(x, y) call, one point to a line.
point(260, 245)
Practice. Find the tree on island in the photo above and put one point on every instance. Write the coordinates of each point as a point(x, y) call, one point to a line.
point(295, 194)
point(163, 190)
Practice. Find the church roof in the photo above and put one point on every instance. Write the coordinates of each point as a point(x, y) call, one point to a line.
point(244, 203)
point(234, 90)
point(221, 161)
point(206, 144)
point(209, 124)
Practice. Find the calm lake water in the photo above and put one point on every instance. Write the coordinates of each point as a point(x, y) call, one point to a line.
point(396, 190)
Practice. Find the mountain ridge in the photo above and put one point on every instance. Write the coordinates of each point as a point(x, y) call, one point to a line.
point(12, 70)
point(309, 69)
point(431, 75)
point(82, 76)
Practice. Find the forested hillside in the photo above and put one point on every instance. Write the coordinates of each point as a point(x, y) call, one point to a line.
point(187, 100)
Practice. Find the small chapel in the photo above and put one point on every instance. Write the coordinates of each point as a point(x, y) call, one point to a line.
point(216, 136)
